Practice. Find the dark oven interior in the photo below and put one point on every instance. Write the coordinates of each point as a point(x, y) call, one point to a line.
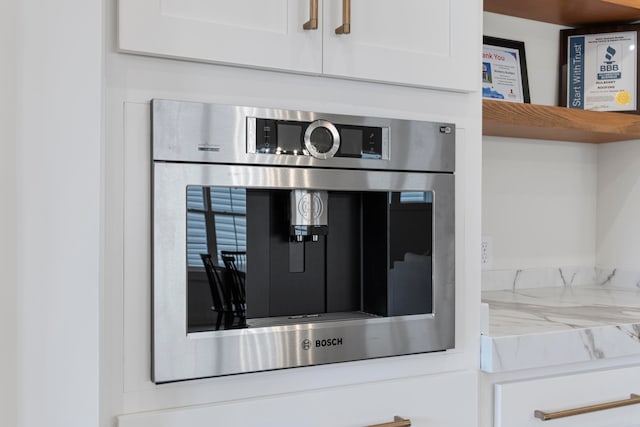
point(249, 265)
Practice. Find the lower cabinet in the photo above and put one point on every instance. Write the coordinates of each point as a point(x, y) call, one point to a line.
point(593, 399)
point(446, 400)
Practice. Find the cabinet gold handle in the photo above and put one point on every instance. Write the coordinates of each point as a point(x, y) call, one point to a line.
point(345, 28)
point(312, 23)
point(546, 416)
point(397, 422)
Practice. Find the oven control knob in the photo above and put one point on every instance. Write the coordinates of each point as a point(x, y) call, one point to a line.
point(322, 139)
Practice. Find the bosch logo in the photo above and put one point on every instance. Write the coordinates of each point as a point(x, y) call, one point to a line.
point(331, 342)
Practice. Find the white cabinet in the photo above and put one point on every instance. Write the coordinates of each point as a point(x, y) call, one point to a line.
point(414, 42)
point(447, 400)
point(515, 402)
point(260, 33)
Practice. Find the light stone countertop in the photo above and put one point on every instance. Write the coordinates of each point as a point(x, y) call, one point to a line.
point(538, 327)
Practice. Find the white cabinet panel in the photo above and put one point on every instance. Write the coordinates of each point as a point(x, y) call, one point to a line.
point(447, 400)
point(261, 33)
point(416, 42)
point(432, 43)
point(516, 402)
point(269, 16)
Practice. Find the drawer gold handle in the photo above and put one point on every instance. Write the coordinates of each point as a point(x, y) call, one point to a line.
point(397, 422)
point(312, 23)
point(345, 28)
point(627, 3)
point(546, 416)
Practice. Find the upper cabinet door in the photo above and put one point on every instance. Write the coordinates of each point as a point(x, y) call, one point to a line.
point(260, 33)
point(432, 43)
point(428, 43)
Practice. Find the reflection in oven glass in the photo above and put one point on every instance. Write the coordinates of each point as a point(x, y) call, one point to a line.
point(258, 257)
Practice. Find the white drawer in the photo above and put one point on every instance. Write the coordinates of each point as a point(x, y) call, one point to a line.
point(447, 400)
point(515, 402)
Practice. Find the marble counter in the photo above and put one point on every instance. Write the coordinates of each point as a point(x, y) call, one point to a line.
point(538, 327)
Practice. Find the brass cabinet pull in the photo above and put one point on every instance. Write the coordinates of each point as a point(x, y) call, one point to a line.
point(627, 3)
point(312, 23)
point(546, 416)
point(397, 422)
point(345, 28)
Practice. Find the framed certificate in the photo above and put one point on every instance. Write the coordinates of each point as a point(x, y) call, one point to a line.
point(504, 70)
point(599, 68)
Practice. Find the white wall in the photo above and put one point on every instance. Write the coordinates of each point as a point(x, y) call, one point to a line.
point(51, 192)
point(618, 214)
point(538, 197)
point(8, 214)
point(539, 202)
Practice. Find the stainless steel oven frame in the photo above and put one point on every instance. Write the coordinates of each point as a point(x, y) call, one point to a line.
point(180, 131)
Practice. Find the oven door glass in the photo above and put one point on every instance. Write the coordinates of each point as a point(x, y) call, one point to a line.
point(250, 265)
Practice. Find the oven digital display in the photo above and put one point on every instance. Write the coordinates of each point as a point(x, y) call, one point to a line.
point(289, 138)
point(351, 142)
point(286, 137)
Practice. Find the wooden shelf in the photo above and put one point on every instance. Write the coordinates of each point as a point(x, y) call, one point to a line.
point(567, 12)
point(516, 120)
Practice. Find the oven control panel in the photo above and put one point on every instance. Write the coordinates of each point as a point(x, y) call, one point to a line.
point(321, 139)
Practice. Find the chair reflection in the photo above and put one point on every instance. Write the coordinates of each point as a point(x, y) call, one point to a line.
point(235, 264)
point(227, 293)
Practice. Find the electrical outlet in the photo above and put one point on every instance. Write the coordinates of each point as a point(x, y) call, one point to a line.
point(486, 253)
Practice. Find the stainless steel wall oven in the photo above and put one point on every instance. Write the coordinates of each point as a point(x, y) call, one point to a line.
point(290, 238)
